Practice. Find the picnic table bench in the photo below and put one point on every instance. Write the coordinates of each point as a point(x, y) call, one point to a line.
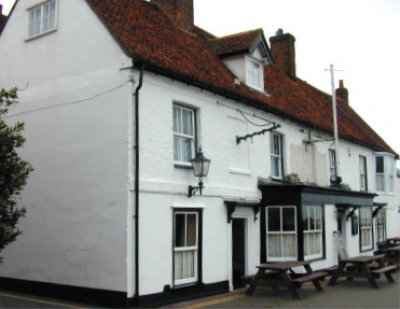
point(368, 267)
point(282, 274)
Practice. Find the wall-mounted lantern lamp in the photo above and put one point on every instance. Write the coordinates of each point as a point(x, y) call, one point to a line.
point(201, 166)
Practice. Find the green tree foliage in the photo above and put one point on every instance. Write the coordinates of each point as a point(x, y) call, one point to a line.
point(14, 171)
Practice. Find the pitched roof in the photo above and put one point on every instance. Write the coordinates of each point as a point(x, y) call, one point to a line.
point(236, 43)
point(149, 36)
point(146, 34)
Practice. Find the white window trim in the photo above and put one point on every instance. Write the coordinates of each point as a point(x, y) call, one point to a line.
point(193, 111)
point(56, 18)
point(194, 279)
point(281, 157)
point(281, 232)
point(248, 61)
point(314, 231)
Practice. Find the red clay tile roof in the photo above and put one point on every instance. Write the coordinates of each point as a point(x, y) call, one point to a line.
point(148, 35)
point(235, 43)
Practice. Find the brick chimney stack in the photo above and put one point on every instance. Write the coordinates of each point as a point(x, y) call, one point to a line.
point(342, 92)
point(284, 52)
point(181, 12)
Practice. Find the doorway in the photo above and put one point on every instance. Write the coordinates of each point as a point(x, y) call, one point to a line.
point(238, 252)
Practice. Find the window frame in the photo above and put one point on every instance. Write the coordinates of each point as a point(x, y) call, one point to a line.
point(197, 278)
point(29, 18)
point(362, 227)
point(281, 232)
point(363, 167)
point(332, 163)
point(280, 157)
point(319, 231)
point(194, 137)
point(380, 174)
point(383, 225)
point(249, 62)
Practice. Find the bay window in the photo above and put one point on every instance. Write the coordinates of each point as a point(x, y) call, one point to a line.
point(184, 134)
point(313, 232)
point(282, 233)
point(42, 18)
point(366, 229)
point(186, 247)
point(277, 163)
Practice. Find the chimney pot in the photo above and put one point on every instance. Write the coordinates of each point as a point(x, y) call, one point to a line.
point(284, 52)
point(342, 92)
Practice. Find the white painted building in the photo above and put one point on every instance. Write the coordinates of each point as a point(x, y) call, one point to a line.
point(78, 64)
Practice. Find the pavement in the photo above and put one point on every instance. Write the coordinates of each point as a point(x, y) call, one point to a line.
point(356, 294)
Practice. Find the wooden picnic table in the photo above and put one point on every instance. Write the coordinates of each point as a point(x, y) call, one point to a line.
point(282, 274)
point(393, 255)
point(369, 267)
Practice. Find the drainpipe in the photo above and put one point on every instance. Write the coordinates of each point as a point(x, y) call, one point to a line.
point(137, 165)
point(133, 175)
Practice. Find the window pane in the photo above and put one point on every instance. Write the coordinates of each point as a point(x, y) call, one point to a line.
point(289, 245)
point(188, 122)
point(274, 246)
point(306, 218)
point(276, 171)
point(180, 230)
point(187, 149)
point(177, 119)
point(274, 221)
point(184, 264)
point(191, 230)
point(289, 219)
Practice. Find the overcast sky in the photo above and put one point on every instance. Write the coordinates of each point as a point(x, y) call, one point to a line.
point(360, 37)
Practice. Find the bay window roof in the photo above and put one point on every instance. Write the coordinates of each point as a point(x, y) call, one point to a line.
point(295, 194)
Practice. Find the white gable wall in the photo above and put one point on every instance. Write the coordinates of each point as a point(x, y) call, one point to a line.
point(75, 229)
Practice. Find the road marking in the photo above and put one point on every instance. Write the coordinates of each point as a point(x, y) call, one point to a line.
point(217, 301)
point(44, 302)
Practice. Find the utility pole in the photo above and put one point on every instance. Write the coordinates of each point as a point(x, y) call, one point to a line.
point(335, 121)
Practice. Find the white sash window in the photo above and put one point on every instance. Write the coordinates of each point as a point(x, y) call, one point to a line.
point(42, 18)
point(186, 247)
point(277, 155)
point(184, 134)
point(381, 226)
point(281, 233)
point(312, 230)
point(366, 233)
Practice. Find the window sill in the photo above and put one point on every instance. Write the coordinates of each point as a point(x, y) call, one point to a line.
point(179, 286)
point(37, 36)
point(366, 250)
point(183, 165)
point(239, 171)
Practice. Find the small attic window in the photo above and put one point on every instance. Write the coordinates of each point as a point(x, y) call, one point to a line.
point(42, 18)
point(255, 74)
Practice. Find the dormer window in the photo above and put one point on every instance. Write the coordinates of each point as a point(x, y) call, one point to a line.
point(255, 74)
point(42, 18)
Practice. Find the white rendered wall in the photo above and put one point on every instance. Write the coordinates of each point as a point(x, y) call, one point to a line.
point(74, 232)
